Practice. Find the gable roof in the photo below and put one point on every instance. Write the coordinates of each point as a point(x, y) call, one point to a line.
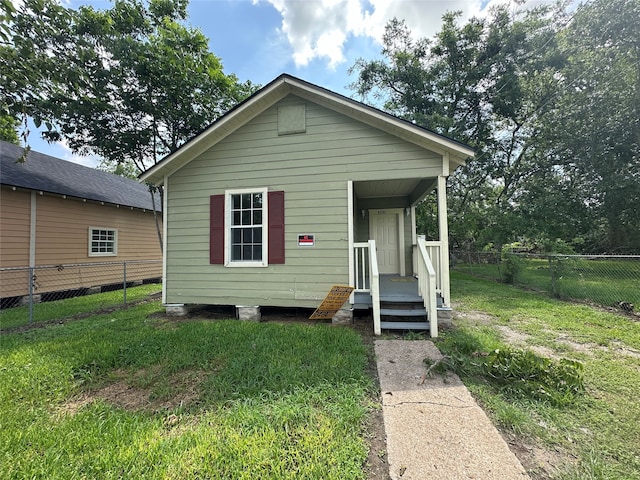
point(53, 175)
point(278, 89)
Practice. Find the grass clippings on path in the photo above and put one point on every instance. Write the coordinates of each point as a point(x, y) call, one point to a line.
point(132, 395)
point(595, 437)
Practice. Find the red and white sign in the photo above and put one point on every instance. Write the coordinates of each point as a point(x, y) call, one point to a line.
point(306, 240)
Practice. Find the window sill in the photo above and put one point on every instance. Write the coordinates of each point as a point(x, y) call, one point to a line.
point(246, 264)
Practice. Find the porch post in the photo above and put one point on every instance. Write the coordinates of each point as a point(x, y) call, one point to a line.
point(165, 229)
point(350, 220)
point(443, 229)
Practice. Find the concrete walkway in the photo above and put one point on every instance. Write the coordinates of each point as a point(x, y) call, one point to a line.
point(436, 430)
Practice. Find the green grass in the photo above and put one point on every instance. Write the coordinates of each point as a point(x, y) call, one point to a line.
point(602, 281)
point(259, 400)
point(601, 428)
point(58, 309)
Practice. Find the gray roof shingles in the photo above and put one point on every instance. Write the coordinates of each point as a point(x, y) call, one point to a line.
point(53, 175)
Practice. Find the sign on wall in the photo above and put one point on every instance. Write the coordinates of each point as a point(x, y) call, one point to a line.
point(306, 240)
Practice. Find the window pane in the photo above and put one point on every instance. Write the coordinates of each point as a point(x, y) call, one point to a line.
point(247, 235)
point(235, 201)
point(257, 217)
point(257, 200)
point(246, 201)
point(246, 217)
point(236, 252)
point(236, 218)
point(257, 252)
point(246, 252)
point(236, 235)
point(257, 235)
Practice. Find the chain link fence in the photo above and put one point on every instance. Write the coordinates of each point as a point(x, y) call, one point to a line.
point(605, 280)
point(42, 293)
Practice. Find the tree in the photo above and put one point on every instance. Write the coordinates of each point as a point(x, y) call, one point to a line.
point(9, 129)
point(129, 84)
point(487, 83)
point(31, 62)
point(594, 131)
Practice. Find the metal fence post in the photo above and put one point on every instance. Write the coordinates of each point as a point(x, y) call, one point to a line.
point(31, 281)
point(124, 286)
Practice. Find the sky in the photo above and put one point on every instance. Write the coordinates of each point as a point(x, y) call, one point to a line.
point(316, 40)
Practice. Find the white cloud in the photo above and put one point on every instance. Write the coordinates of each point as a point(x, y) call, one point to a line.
point(91, 161)
point(320, 28)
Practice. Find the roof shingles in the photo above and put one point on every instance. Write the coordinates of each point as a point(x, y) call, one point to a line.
point(53, 175)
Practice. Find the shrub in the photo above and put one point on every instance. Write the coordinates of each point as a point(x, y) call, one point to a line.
point(510, 264)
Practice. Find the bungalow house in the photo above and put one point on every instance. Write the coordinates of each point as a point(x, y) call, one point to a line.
point(298, 189)
point(71, 223)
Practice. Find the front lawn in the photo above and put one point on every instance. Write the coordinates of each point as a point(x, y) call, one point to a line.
point(132, 394)
point(593, 436)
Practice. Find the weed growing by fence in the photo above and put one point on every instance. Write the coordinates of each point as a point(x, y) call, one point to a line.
point(60, 309)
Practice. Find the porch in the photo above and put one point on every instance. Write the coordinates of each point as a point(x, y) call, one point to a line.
point(397, 273)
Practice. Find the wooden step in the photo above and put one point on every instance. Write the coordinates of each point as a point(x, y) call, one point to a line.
point(404, 325)
point(400, 298)
point(403, 312)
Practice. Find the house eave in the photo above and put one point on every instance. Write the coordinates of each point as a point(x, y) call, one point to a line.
point(71, 197)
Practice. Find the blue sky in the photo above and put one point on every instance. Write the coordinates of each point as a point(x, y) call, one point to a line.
point(316, 40)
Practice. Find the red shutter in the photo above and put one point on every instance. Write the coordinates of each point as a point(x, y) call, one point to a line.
point(216, 226)
point(276, 227)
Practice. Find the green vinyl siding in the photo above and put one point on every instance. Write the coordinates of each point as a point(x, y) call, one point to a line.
point(313, 169)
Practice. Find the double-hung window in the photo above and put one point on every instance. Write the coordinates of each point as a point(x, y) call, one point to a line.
point(103, 242)
point(246, 238)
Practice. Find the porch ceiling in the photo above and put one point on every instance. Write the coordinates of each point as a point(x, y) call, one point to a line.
point(413, 188)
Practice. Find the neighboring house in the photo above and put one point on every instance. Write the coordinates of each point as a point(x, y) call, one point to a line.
point(63, 218)
point(283, 197)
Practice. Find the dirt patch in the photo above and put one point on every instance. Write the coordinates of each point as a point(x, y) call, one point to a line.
point(520, 339)
point(474, 317)
point(540, 463)
point(181, 390)
point(622, 349)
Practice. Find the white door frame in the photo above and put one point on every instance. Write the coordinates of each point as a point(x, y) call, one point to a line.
point(401, 250)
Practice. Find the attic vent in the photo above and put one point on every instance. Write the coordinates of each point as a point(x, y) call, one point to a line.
point(291, 119)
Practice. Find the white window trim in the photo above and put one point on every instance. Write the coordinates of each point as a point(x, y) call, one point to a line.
point(227, 228)
point(115, 242)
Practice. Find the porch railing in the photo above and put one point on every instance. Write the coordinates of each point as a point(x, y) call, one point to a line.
point(361, 266)
point(433, 252)
point(375, 287)
point(367, 277)
point(427, 285)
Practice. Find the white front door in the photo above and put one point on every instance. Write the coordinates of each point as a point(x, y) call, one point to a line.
point(384, 228)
